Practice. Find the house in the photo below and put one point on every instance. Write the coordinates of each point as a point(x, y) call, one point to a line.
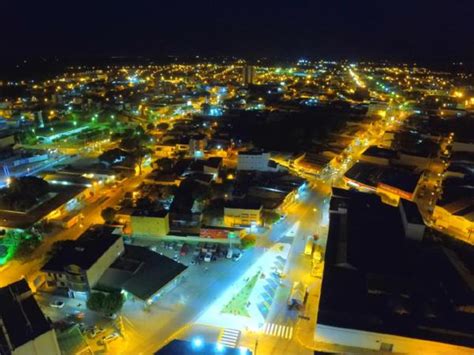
point(150, 223)
point(24, 329)
point(79, 264)
point(242, 213)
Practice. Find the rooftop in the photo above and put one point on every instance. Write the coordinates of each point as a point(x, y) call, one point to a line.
point(85, 251)
point(22, 319)
point(377, 280)
point(141, 272)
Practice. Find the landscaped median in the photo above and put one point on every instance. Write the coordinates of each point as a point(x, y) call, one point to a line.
point(239, 302)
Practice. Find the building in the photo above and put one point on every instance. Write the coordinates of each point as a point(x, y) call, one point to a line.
point(248, 75)
point(255, 160)
point(24, 330)
point(142, 274)
point(242, 213)
point(198, 346)
point(455, 210)
point(383, 291)
point(150, 223)
point(214, 232)
point(79, 265)
point(197, 145)
point(389, 182)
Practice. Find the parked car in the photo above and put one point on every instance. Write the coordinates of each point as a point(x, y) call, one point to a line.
point(94, 331)
point(237, 257)
point(208, 257)
point(175, 257)
point(57, 304)
point(230, 253)
point(109, 338)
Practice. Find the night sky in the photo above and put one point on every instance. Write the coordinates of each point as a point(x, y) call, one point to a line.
point(353, 29)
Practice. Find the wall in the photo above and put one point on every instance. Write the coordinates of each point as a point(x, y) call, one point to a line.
point(243, 217)
point(150, 226)
point(257, 162)
point(95, 271)
point(46, 343)
point(370, 340)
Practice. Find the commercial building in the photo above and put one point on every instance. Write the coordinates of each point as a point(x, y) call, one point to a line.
point(150, 223)
point(385, 292)
point(248, 75)
point(24, 330)
point(255, 160)
point(391, 183)
point(79, 265)
point(242, 213)
point(214, 232)
point(141, 273)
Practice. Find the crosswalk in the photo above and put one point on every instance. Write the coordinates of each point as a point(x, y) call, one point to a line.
point(229, 337)
point(278, 330)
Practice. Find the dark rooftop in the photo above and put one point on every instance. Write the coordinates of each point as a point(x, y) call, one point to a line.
point(85, 251)
point(22, 319)
point(373, 175)
point(376, 280)
point(380, 152)
point(243, 204)
point(183, 347)
point(141, 272)
point(150, 213)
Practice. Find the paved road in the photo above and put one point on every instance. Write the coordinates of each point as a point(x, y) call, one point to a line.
point(15, 270)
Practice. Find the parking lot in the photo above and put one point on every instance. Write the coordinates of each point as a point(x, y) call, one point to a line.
point(192, 253)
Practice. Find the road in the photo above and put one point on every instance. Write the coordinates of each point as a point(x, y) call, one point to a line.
point(16, 270)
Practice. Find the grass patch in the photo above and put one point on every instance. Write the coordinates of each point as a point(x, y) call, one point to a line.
point(238, 303)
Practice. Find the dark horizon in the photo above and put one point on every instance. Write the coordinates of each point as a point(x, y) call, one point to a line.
point(405, 31)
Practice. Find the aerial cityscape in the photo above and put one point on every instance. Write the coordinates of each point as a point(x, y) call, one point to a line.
point(189, 199)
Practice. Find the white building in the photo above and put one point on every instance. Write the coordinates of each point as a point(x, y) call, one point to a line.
point(256, 161)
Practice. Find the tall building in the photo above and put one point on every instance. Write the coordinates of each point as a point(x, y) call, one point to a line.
point(248, 74)
point(23, 327)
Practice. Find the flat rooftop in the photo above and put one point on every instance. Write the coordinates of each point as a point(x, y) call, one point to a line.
point(373, 175)
point(84, 251)
point(22, 318)
point(377, 280)
point(141, 272)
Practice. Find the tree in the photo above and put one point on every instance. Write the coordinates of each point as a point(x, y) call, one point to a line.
point(163, 126)
point(108, 214)
point(105, 303)
point(164, 165)
point(248, 241)
point(270, 217)
point(136, 147)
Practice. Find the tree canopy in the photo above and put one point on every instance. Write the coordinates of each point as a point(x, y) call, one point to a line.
point(105, 303)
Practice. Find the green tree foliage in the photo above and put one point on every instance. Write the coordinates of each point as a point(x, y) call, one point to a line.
point(270, 217)
point(105, 303)
point(18, 245)
point(23, 193)
point(248, 241)
point(135, 145)
point(108, 214)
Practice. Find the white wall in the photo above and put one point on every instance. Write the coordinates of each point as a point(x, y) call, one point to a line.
point(46, 343)
point(373, 341)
